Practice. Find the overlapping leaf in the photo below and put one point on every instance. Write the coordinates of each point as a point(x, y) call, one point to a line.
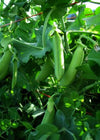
point(26, 50)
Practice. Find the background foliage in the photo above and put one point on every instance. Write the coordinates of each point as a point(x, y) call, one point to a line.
point(77, 107)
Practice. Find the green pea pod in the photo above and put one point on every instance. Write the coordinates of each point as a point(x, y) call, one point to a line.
point(58, 55)
point(50, 112)
point(46, 70)
point(4, 63)
point(76, 61)
point(14, 78)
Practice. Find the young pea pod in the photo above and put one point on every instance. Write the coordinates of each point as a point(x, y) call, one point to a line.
point(76, 61)
point(4, 63)
point(14, 78)
point(58, 55)
point(46, 70)
point(49, 113)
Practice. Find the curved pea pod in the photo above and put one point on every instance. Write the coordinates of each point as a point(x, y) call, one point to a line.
point(46, 70)
point(76, 61)
point(50, 112)
point(58, 55)
point(4, 63)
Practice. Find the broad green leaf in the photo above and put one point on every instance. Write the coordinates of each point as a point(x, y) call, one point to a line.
point(92, 21)
point(26, 50)
point(94, 56)
point(60, 119)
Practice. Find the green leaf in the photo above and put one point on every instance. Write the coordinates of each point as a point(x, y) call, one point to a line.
point(94, 56)
point(26, 124)
point(46, 129)
point(43, 131)
point(32, 135)
point(97, 11)
point(97, 29)
point(87, 72)
point(20, 4)
point(5, 41)
point(55, 137)
point(13, 113)
point(39, 2)
point(59, 12)
point(43, 128)
point(60, 119)
point(26, 50)
point(92, 21)
point(23, 34)
point(88, 11)
point(44, 137)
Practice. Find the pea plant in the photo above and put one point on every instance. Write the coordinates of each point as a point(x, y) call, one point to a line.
point(49, 70)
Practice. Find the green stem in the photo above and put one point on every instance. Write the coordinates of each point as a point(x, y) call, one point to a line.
point(45, 26)
point(65, 36)
point(76, 31)
point(89, 87)
point(79, 42)
point(72, 48)
point(95, 2)
point(88, 38)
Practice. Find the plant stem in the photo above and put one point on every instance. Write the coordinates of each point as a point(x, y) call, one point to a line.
point(65, 36)
point(89, 87)
point(95, 2)
point(76, 31)
point(88, 38)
